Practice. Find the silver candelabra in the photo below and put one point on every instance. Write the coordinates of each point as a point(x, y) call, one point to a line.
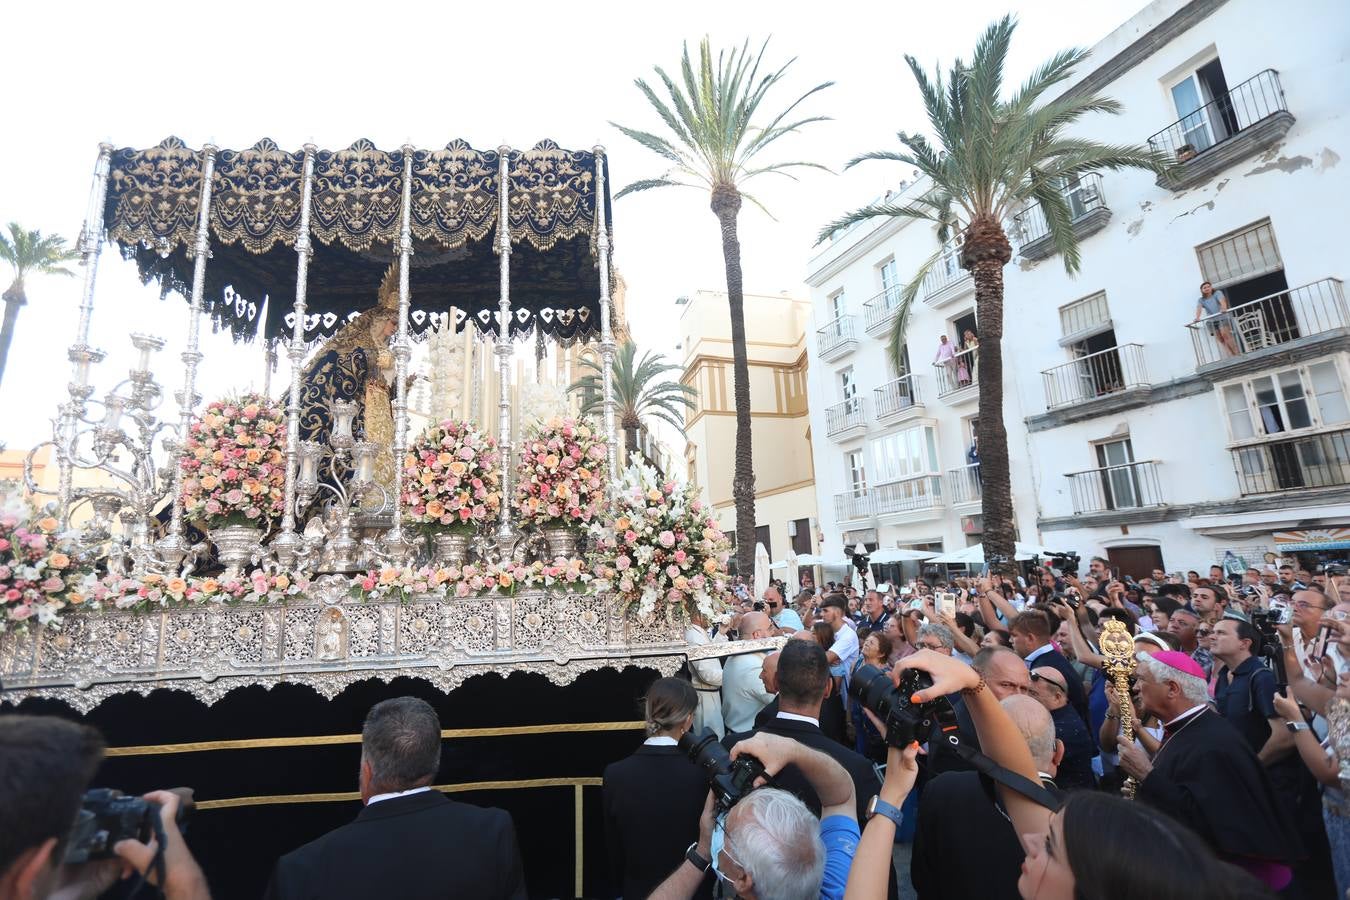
point(336, 546)
point(118, 442)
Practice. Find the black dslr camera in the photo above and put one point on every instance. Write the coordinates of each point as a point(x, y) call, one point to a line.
point(108, 816)
point(730, 779)
point(905, 721)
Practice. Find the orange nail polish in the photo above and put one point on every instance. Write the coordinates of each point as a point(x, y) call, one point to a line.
point(915, 698)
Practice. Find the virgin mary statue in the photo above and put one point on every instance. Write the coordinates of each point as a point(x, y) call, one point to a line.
point(357, 364)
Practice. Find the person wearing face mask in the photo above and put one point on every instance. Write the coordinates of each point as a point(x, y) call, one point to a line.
point(1094, 847)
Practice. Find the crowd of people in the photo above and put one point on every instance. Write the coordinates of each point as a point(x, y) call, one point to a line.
point(1238, 763)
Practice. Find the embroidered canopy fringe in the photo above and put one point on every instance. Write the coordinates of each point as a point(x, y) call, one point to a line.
point(151, 214)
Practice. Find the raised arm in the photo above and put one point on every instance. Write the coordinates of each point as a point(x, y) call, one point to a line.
point(827, 778)
point(1000, 738)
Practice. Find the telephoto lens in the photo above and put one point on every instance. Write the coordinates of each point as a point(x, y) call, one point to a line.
point(729, 779)
point(905, 721)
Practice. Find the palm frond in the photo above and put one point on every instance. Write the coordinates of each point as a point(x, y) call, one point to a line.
point(895, 343)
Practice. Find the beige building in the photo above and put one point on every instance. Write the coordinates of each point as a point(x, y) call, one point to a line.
point(785, 500)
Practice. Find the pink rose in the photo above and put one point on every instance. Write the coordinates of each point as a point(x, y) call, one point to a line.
point(13, 594)
point(666, 539)
point(622, 563)
point(673, 571)
point(630, 536)
point(368, 583)
point(681, 556)
point(19, 613)
point(4, 544)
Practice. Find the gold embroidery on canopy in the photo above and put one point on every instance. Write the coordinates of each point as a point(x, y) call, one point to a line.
point(157, 194)
point(256, 196)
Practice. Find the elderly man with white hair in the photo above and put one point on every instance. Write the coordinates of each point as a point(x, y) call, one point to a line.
point(1205, 776)
point(771, 847)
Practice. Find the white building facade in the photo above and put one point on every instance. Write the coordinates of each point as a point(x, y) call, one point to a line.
point(1134, 432)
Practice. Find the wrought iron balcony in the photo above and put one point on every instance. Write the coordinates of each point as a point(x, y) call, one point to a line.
point(879, 312)
point(1088, 214)
point(956, 375)
point(914, 494)
point(1128, 486)
point(898, 399)
point(947, 281)
point(1295, 317)
point(1229, 128)
point(963, 484)
point(1099, 374)
point(838, 338)
point(846, 420)
point(1296, 463)
point(855, 506)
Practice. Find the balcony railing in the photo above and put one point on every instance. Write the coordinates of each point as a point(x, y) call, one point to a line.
point(1084, 197)
point(836, 335)
point(854, 505)
point(1222, 118)
point(879, 312)
point(912, 494)
point(843, 416)
point(1128, 486)
point(1312, 461)
point(1302, 312)
point(894, 397)
point(1108, 371)
point(963, 484)
point(946, 273)
point(955, 374)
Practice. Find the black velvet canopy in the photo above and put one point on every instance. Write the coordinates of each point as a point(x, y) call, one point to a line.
point(152, 210)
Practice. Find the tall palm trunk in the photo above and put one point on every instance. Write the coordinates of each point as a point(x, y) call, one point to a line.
point(14, 301)
point(726, 205)
point(986, 252)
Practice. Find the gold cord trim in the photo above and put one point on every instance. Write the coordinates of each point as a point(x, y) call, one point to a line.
point(341, 796)
point(448, 734)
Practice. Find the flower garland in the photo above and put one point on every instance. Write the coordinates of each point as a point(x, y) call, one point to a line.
point(40, 572)
point(452, 477)
point(153, 590)
point(561, 475)
point(234, 463)
point(470, 580)
point(662, 547)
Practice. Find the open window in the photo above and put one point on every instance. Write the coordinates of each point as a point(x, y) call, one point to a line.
point(1246, 266)
point(1203, 105)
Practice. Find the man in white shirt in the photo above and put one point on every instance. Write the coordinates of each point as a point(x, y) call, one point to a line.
point(743, 693)
point(844, 651)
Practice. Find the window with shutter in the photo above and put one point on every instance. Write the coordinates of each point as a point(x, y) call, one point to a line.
point(1241, 256)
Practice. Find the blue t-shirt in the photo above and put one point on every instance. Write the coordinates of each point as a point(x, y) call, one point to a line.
point(840, 835)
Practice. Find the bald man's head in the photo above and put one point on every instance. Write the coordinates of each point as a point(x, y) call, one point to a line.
point(1038, 729)
point(803, 636)
point(756, 625)
point(768, 673)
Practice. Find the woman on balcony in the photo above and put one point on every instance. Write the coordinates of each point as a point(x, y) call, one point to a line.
point(970, 346)
point(1213, 305)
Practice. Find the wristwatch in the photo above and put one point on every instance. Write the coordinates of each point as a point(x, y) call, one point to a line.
point(697, 861)
point(878, 807)
point(1296, 727)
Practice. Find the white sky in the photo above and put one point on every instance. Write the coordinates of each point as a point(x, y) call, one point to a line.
point(517, 73)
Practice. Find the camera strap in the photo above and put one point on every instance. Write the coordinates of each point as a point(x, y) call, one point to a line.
point(986, 766)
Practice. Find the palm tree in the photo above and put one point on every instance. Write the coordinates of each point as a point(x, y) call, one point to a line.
point(639, 391)
point(990, 158)
point(715, 144)
point(27, 253)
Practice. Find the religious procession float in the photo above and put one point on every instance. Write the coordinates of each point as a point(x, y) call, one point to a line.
point(224, 585)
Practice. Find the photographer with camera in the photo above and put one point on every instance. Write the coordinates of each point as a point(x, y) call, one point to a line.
point(59, 843)
point(1094, 847)
point(764, 842)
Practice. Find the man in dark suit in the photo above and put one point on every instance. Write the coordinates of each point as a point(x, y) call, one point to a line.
point(1031, 632)
point(803, 675)
point(410, 841)
point(976, 852)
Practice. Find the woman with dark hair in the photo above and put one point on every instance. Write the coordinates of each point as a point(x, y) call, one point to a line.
point(1095, 847)
point(653, 799)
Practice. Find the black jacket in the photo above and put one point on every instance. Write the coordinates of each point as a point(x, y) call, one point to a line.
point(652, 802)
point(964, 846)
point(420, 846)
